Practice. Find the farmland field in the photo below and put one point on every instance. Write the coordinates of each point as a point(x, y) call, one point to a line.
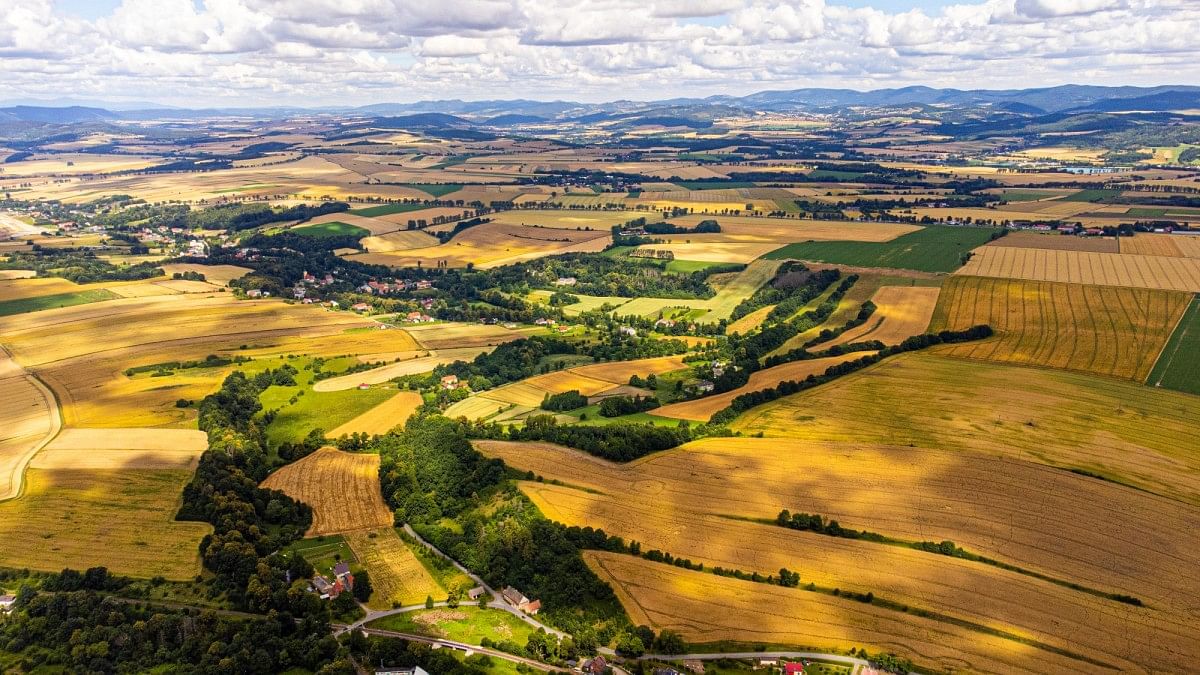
point(41, 302)
point(331, 229)
point(397, 576)
point(414, 364)
point(932, 249)
point(1171, 245)
point(706, 608)
point(461, 624)
point(1178, 366)
point(1056, 242)
point(383, 417)
point(1098, 329)
point(1112, 428)
point(901, 312)
point(1107, 269)
point(29, 419)
point(386, 209)
point(341, 487)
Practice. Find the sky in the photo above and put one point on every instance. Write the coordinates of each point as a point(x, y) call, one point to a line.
point(210, 53)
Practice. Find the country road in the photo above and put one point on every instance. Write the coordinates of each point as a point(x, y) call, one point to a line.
point(24, 436)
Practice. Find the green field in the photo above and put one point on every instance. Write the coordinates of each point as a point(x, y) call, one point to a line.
point(387, 209)
point(931, 249)
point(315, 409)
point(1178, 366)
point(689, 266)
point(466, 623)
point(1091, 195)
point(23, 305)
point(332, 229)
point(1026, 195)
point(436, 189)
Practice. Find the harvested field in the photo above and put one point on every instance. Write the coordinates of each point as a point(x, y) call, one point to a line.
point(220, 275)
point(1171, 245)
point(597, 221)
point(721, 305)
point(701, 409)
point(1059, 617)
point(750, 321)
point(1056, 242)
point(447, 336)
point(619, 372)
point(705, 608)
point(9, 275)
point(400, 240)
point(716, 251)
point(341, 487)
point(1096, 329)
point(20, 288)
point(1115, 429)
point(397, 576)
point(980, 502)
point(1105, 269)
point(409, 366)
point(65, 513)
point(493, 244)
point(862, 290)
point(102, 449)
point(383, 417)
point(29, 418)
point(901, 312)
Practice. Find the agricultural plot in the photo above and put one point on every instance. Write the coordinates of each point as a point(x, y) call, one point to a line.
point(24, 288)
point(382, 418)
point(901, 312)
point(397, 576)
point(400, 240)
point(978, 501)
point(1178, 366)
point(449, 336)
point(386, 209)
point(982, 595)
point(341, 487)
point(119, 487)
point(750, 321)
point(851, 303)
point(493, 244)
point(220, 275)
point(1079, 267)
point(43, 302)
point(1096, 329)
point(465, 624)
point(701, 409)
point(1171, 245)
point(1112, 428)
point(752, 229)
point(705, 608)
point(331, 229)
point(715, 251)
point(932, 249)
point(1056, 242)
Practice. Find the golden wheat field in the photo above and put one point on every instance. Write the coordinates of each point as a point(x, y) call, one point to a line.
point(447, 336)
point(901, 312)
point(1079, 267)
point(220, 275)
point(397, 576)
point(341, 487)
point(98, 449)
point(715, 251)
point(1171, 245)
point(122, 519)
point(750, 321)
point(701, 409)
point(980, 502)
point(1113, 428)
point(707, 608)
point(492, 244)
point(383, 417)
point(400, 240)
point(1061, 617)
point(1098, 329)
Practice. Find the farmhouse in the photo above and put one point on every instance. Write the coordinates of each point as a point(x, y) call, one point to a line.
point(450, 382)
point(6, 603)
point(360, 307)
point(474, 593)
point(517, 599)
point(565, 281)
point(596, 666)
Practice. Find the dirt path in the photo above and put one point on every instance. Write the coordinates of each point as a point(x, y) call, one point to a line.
point(17, 448)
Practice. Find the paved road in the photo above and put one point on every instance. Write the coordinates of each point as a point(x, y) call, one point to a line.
point(464, 647)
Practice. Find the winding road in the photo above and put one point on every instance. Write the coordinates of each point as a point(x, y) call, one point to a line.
point(22, 436)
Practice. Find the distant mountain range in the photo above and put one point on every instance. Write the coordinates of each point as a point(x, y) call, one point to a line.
point(696, 112)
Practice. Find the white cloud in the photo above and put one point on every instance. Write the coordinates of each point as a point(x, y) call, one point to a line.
point(210, 52)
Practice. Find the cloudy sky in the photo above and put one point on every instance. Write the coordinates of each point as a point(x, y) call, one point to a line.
point(203, 53)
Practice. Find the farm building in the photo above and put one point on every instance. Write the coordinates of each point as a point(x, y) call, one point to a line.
point(517, 599)
point(6, 603)
point(474, 593)
point(450, 382)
